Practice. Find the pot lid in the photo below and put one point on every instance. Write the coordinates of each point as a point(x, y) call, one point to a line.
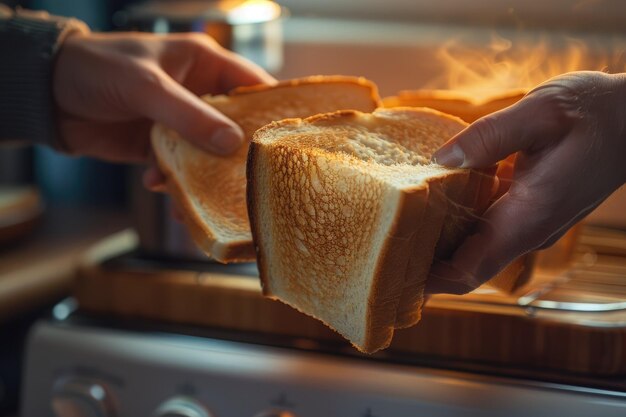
point(233, 12)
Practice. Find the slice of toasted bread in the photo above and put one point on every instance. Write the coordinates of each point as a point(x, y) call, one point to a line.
point(455, 206)
point(473, 197)
point(460, 220)
point(209, 189)
point(346, 210)
point(453, 102)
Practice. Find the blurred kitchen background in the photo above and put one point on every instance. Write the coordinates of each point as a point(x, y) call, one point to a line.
point(478, 47)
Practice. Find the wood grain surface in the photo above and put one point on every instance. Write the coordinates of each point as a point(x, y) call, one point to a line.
point(39, 269)
point(543, 327)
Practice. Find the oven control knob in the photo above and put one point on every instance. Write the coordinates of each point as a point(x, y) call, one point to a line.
point(81, 397)
point(182, 407)
point(276, 413)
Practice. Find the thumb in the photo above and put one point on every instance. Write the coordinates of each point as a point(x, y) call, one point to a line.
point(523, 126)
point(163, 100)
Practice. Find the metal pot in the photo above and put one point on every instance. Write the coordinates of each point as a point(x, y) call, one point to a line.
point(250, 28)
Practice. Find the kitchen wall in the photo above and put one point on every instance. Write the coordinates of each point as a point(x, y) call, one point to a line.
point(605, 15)
point(411, 55)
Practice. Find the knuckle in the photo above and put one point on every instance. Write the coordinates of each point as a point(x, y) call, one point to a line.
point(196, 38)
point(563, 97)
point(148, 78)
point(199, 41)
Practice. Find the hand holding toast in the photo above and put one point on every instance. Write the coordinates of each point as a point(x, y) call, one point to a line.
point(109, 88)
point(570, 137)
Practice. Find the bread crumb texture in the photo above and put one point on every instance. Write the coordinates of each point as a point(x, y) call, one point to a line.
point(218, 184)
point(329, 191)
point(325, 216)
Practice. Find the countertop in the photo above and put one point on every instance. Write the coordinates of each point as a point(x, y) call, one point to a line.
point(40, 267)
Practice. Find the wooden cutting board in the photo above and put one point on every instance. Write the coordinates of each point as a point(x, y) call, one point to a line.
point(567, 321)
point(40, 270)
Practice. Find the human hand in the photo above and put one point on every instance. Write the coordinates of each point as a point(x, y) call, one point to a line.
point(109, 88)
point(570, 135)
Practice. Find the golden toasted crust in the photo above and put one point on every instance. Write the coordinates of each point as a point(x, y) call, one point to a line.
point(315, 79)
point(217, 184)
point(394, 262)
point(450, 218)
point(202, 234)
point(466, 107)
point(251, 192)
point(469, 108)
point(393, 257)
point(398, 266)
point(423, 252)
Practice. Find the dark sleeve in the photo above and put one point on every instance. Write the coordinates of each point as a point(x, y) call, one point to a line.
point(28, 43)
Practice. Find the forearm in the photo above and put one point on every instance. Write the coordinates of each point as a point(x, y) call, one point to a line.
point(28, 44)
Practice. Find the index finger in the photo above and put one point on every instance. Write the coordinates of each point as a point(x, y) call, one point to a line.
point(217, 70)
point(546, 112)
point(240, 71)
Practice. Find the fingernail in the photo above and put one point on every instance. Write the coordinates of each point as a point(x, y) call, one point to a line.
point(450, 156)
point(226, 140)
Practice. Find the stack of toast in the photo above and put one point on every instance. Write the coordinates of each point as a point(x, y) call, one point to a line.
point(335, 198)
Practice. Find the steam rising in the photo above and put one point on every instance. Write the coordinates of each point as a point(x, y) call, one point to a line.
point(482, 72)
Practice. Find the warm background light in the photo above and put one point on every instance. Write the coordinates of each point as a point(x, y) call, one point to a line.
point(480, 73)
